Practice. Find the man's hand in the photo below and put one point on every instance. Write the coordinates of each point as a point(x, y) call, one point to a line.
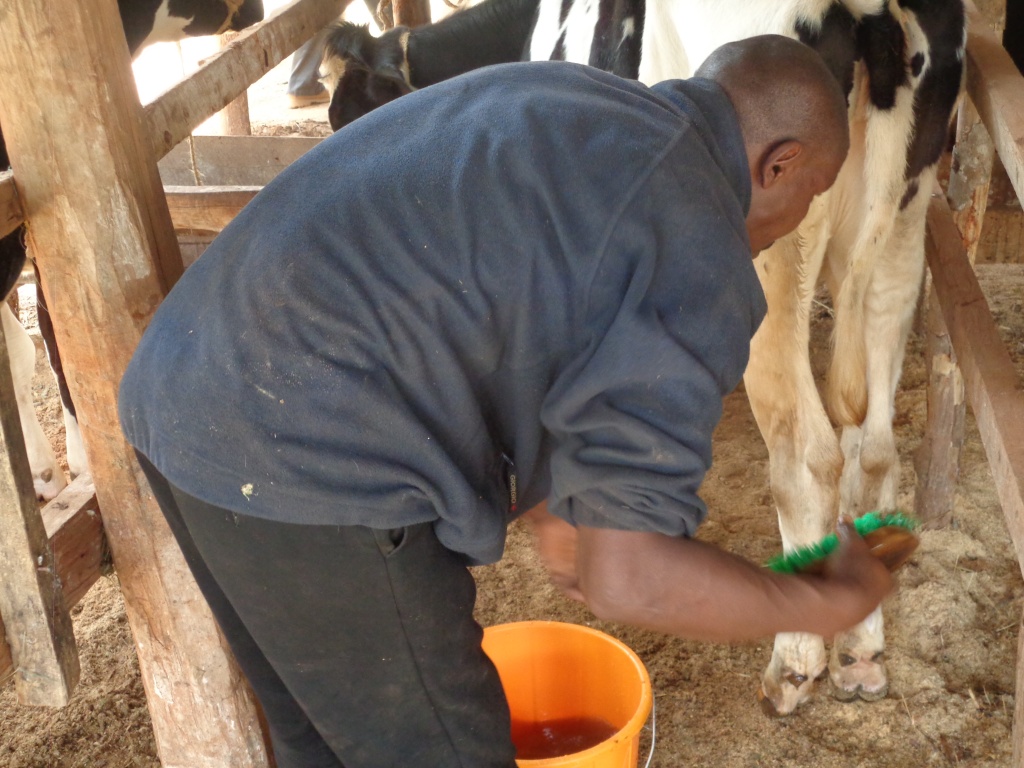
point(556, 545)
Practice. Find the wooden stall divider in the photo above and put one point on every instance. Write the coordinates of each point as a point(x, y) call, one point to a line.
point(80, 556)
point(42, 643)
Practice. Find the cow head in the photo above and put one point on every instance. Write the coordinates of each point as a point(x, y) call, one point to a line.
point(363, 72)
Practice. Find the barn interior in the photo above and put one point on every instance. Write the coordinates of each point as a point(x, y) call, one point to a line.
point(136, 673)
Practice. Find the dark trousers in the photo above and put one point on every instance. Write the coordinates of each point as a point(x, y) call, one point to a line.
point(359, 643)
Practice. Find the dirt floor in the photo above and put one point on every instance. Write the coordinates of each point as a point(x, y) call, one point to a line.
point(951, 626)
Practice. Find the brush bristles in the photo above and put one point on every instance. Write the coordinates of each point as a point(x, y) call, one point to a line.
point(802, 557)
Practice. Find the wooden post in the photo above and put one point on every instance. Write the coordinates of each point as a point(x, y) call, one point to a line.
point(234, 118)
point(937, 459)
point(411, 13)
point(101, 234)
point(38, 626)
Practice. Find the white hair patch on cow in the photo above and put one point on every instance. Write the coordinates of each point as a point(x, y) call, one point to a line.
point(166, 28)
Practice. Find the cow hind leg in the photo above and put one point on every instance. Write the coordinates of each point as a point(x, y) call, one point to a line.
point(47, 478)
point(77, 462)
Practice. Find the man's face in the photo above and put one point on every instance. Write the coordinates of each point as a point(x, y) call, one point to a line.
point(777, 211)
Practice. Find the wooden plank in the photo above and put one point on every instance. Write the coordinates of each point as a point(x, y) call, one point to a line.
point(40, 635)
point(1018, 710)
point(937, 458)
point(106, 262)
point(206, 209)
point(227, 73)
point(74, 529)
point(970, 176)
point(993, 390)
point(997, 88)
point(411, 13)
point(75, 533)
point(10, 207)
point(232, 160)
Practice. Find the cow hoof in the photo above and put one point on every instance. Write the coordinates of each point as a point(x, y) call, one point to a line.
point(846, 696)
point(48, 483)
point(780, 697)
point(858, 677)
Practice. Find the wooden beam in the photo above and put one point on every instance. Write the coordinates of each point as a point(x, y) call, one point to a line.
point(227, 73)
point(206, 209)
point(996, 87)
point(993, 389)
point(10, 207)
point(103, 240)
point(411, 13)
point(75, 534)
point(232, 160)
point(42, 641)
point(1018, 710)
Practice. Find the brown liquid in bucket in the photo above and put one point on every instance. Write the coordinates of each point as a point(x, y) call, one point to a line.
point(557, 738)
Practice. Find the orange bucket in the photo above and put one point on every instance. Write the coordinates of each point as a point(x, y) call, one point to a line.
point(578, 697)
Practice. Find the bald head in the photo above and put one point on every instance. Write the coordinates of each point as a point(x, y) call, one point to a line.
point(781, 89)
point(793, 117)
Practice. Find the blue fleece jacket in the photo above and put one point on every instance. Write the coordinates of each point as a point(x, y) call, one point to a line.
point(535, 274)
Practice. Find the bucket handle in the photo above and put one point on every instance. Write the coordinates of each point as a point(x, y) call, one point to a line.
point(654, 729)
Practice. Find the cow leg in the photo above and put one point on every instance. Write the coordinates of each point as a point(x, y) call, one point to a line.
point(805, 459)
point(47, 477)
point(77, 463)
point(871, 472)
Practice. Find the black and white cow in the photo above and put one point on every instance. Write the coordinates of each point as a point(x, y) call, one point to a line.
point(901, 63)
point(145, 22)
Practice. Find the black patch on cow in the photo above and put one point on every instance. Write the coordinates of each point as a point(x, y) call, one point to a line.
point(487, 33)
point(942, 22)
point(912, 188)
point(12, 248)
point(1013, 35)
point(137, 19)
point(916, 63)
point(250, 13)
point(881, 44)
point(209, 16)
point(835, 41)
point(50, 345)
point(612, 50)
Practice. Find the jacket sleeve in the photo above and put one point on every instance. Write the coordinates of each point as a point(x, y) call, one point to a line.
point(673, 304)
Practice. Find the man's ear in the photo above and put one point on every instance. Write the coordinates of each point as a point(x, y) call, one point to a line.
point(779, 160)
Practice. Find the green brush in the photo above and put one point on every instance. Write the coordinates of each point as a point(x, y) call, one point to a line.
point(890, 537)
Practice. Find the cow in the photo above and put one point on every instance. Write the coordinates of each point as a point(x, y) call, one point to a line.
point(145, 22)
point(901, 64)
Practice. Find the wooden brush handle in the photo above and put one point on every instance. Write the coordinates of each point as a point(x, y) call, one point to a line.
point(892, 545)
